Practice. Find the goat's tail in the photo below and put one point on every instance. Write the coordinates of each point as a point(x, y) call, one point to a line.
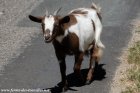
point(98, 26)
point(99, 44)
point(98, 31)
point(96, 7)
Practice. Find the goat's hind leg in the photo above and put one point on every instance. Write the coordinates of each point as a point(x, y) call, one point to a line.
point(94, 56)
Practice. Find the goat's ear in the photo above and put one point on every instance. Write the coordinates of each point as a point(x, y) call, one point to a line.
point(36, 19)
point(65, 19)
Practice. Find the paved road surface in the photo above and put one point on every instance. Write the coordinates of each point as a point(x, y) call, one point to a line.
point(37, 66)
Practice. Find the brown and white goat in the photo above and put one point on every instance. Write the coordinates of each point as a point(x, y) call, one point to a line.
point(75, 33)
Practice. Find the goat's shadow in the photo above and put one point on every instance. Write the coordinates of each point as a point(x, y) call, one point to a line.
point(73, 81)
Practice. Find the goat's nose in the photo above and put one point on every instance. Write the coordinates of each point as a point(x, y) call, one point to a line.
point(46, 37)
point(47, 31)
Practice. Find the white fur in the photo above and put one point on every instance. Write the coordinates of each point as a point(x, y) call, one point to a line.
point(98, 28)
point(84, 28)
point(49, 23)
point(59, 38)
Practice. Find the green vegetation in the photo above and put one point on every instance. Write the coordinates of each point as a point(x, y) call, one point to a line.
point(133, 74)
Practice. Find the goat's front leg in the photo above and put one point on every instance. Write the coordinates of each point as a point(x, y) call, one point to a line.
point(61, 58)
point(62, 64)
point(78, 62)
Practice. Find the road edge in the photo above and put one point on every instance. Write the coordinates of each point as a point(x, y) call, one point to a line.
point(118, 85)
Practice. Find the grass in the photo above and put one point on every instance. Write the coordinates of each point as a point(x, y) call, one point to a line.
point(133, 74)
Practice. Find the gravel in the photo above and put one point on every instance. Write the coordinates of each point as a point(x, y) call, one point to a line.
point(14, 39)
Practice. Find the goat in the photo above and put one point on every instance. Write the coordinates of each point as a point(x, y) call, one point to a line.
point(74, 34)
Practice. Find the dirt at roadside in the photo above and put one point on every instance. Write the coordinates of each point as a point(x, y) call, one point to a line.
point(12, 37)
point(119, 84)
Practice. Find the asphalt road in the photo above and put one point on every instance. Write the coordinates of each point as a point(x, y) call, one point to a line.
point(37, 66)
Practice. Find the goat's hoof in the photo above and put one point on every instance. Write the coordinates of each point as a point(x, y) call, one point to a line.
point(88, 82)
point(64, 89)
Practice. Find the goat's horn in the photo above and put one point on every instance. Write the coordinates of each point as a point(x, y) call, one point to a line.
point(56, 12)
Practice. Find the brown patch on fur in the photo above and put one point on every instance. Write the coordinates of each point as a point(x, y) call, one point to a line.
point(78, 62)
point(74, 41)
point(93, 7)
point(72, 21)
point(79, 12)
point(100, 17)
point(69, 45)
point(57, 18)
point(97, 54)
point(93, 25)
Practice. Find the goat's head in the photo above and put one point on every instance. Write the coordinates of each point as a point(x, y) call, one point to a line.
point(50, 25)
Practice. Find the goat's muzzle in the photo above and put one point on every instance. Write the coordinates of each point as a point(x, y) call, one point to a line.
point(49, 38)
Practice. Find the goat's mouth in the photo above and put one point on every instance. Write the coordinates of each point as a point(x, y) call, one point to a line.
point(48, 40)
